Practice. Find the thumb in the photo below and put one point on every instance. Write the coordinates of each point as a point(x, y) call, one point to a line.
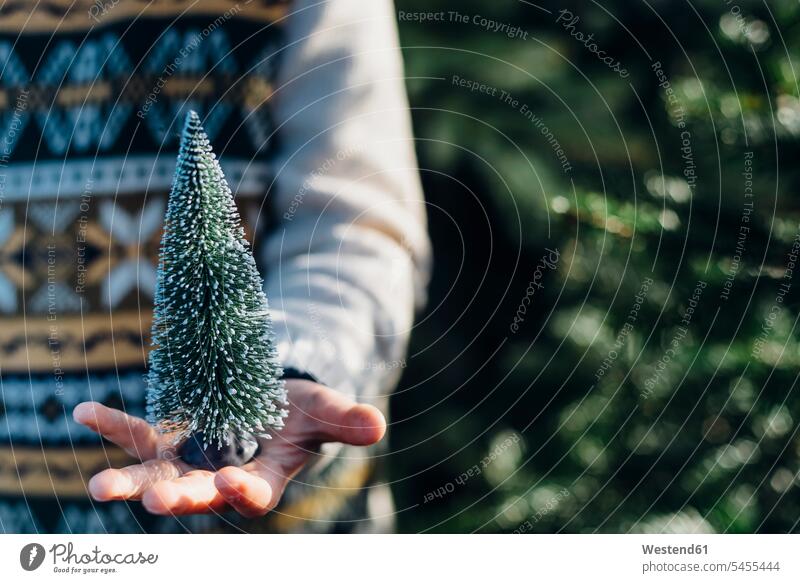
point(332, 416)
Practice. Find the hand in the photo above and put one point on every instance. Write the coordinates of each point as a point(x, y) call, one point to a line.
point(168, 486)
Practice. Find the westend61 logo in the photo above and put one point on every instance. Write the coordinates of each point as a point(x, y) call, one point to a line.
point(67, 560)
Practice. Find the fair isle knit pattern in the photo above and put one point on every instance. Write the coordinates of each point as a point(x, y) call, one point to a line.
point(91, 108)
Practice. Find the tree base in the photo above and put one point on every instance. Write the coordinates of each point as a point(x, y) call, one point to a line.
point(237, 452)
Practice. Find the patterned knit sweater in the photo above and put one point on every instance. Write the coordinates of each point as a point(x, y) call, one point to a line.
point(304, 103)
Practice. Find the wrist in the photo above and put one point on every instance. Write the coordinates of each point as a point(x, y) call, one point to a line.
point(296, 374)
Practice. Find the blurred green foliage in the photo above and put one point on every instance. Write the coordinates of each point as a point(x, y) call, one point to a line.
point(713, 446)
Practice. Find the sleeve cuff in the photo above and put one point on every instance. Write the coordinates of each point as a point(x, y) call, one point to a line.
point(293, 373)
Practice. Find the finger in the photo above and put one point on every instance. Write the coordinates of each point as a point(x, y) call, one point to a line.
point(132, 434)
point(131, 482)
point(248, 493)
point(192, 493)
point(274, 474)
point(339, 418)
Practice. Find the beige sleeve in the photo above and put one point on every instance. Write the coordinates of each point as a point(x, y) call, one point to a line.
point(350, 257)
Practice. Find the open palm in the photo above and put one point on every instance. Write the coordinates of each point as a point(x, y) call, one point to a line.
point(166, 485)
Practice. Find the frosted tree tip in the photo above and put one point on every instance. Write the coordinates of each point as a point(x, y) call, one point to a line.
point(192, 121)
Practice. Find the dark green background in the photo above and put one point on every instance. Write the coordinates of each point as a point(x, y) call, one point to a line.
point(715, 447)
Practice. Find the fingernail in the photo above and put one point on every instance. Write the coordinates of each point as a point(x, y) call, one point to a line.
point(81, 412)
point(96, 489)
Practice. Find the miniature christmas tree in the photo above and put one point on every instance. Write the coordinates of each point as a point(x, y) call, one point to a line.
point(214, 378)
